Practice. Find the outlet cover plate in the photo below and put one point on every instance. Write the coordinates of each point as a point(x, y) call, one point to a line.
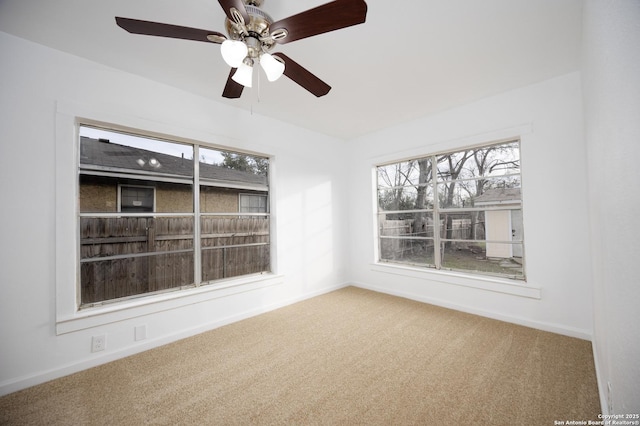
point(140, 332)
point(98, 343)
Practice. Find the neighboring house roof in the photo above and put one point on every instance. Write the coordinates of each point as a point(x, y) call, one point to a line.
point(107, 157)
point(499, 196)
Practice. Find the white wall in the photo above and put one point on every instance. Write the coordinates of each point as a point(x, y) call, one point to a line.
point(548, 116)
point(611, 72)
point(36, 84)
point(312, 200)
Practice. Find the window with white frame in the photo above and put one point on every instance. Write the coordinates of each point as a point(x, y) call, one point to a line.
point(136, 199)
point(153, 219)
point(253, 203)
point(458, 210)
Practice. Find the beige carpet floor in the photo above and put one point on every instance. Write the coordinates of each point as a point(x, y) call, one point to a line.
point(350, 357)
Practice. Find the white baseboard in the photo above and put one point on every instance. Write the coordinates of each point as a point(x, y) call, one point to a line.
point(540, 325)
point(16, 384)
point(24, 382)
point(602, 382)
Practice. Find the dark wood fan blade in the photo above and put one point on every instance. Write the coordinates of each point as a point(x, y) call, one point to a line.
point(322, 19)
point(136, 26)
point(232, 90)
point(238, 4)
point(303, 77)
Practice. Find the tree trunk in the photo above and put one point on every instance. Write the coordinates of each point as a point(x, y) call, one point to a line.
point(420, 222)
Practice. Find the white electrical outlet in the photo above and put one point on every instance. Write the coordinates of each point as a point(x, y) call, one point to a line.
point(140, 332)
point(98, 343)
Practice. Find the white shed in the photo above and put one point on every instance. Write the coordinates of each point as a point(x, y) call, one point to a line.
point(502, 225)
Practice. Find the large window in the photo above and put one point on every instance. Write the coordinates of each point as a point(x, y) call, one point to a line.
point(457, 211)
point(153, 219)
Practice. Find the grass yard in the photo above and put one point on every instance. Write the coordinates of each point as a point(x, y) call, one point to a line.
point(471, 259)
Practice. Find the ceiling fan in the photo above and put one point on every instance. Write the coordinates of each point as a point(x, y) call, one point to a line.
point(252, 35)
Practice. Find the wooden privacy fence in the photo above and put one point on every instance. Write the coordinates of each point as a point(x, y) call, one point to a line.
point(127, 256)
point(234, 246)
point(400, 237)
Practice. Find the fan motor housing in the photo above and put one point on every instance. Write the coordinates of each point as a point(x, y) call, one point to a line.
point(257, 30)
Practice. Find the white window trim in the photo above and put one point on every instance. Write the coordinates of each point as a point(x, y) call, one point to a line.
point(69, 318)
point(458, 278)
point(477, 281)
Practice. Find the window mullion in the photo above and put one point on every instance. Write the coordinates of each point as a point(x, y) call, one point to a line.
point(197, 274)
point(437, 257)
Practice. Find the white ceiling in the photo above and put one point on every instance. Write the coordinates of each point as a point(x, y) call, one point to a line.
point(409, 59)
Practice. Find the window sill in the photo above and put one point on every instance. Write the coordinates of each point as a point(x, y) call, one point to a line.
point(498, 285)
point(120, 311)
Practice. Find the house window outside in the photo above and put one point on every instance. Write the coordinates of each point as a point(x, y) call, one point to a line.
point(459, 211)
point(253, 203)
point(153, 220)
point(136, 199)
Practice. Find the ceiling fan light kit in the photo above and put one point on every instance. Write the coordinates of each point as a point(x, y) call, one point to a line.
point(233, 52)
point(244, 74)
point(252, 34)
point(273, 67)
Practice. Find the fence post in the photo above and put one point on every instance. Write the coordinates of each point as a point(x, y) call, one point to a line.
point(151, 247)
point(224, 262)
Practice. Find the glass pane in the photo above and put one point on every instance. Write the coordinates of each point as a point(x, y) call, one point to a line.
point(495, 160)
point(411, 251)
point(450, 166)
point(226, 177)
point(418, 224)
point(116, 236)
point(226, 262)
point(504, 226)
point(488, 242)
point(405, 198)
point(463, 226)
point(250, 203)
point(475, 258)
point(119, 152)
point(488, 192)
point(236, 169)
point(233, 246)
point(456, 194)
point(498, 160)
point(168, 263)
point(174, 198)
point(218, 200)
point(99, 194)
point(491, 225)
point(112, 279)
point(133, 174)
point(214, 199)
point(406, 173)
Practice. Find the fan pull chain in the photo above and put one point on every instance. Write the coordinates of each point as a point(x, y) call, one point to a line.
point(259, 80)
point(257, 97)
